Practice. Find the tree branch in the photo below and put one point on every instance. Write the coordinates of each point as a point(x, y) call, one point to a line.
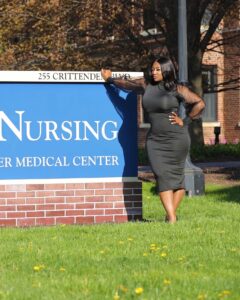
point(214, 22)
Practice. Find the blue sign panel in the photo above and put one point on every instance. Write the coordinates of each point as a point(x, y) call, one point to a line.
point(67, 130)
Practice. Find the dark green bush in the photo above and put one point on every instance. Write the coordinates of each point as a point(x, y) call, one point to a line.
point(142, 157)
point(220, 152)
point(215, 152)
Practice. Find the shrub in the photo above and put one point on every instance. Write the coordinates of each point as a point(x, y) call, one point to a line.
point(220, 152)
point(215, 152)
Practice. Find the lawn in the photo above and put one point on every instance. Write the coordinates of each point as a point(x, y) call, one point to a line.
point(197, 258)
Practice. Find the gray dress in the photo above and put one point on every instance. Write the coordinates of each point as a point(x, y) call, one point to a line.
point(167, 144)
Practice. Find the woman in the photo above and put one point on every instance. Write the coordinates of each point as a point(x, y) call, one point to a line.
point(168, 140)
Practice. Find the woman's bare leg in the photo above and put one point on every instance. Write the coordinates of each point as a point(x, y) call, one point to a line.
point(167, 201)
point(177, 198)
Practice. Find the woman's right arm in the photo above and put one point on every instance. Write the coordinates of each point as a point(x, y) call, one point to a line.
point(137, 85)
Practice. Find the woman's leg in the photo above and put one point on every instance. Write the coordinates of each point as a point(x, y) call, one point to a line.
point(167, 201)
point(177, 198)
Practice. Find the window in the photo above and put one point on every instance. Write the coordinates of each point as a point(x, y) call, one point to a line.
point(209, 80)
point(150, 19)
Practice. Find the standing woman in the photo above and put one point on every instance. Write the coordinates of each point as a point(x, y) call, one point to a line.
point(168, 140)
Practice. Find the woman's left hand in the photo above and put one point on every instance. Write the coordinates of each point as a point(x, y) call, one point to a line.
point(175, 119)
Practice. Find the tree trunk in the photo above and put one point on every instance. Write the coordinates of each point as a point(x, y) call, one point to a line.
point(195, 79)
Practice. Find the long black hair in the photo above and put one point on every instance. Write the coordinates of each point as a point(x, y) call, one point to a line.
point(168, 72)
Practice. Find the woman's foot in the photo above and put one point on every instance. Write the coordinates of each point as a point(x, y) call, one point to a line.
point(171, 219)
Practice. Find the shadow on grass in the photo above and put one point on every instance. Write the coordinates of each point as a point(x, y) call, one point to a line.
point(153, 190)
point(228, 194)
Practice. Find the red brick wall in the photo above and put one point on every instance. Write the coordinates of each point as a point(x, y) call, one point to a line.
point(209, 136)
point(228, 102)
point(70, 203)
point(231, 111)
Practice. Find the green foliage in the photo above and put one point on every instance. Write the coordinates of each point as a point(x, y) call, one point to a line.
point(142, 157)
point(215, 152)
point(220, 152)
point(197, 258)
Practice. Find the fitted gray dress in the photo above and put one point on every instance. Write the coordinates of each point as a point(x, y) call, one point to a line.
point(167, 144)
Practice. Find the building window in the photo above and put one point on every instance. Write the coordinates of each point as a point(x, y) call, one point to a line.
point(150, 19)
point(209, 81)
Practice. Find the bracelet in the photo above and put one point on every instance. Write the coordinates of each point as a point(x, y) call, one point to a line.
point(187, 120)
point(110, 80)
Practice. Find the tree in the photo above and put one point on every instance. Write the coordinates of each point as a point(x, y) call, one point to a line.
point(86, 34)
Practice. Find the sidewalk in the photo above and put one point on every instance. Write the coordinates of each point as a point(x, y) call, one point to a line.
point(221, 164)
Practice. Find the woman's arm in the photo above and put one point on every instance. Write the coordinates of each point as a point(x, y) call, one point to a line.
point(137, 85)
point(196, 102)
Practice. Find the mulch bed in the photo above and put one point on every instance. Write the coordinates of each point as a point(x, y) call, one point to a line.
point(222, 176)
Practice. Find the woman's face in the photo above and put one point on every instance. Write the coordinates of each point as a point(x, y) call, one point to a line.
point(156, 72)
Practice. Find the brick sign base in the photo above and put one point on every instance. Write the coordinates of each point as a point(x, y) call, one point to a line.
point(23, 205)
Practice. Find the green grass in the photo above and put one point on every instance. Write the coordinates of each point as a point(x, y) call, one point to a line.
point(197, 258)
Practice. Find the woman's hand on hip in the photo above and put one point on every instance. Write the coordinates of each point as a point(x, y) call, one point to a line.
point(175, 119)
point(106, 73)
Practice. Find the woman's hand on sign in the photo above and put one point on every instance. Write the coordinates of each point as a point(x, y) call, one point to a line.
point(106, 73)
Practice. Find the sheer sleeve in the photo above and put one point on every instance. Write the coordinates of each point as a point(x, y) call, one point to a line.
point(137, 85)
point(194, 103)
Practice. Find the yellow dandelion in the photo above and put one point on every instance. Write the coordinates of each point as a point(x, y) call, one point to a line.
point(36, 284)
point(36, 268)
point(224, 294)
point(180, 258)
point(130, 239)
point(123, 288)
point(153, 247)
point(233, 250)
point(121, 242)
point(202, 297)
point(102, 252)
point(62, 225)
point(138, 290)
point(166, 282)
point(62, 269)
point(116, 296)
point(145, 254)
point(163, 254)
